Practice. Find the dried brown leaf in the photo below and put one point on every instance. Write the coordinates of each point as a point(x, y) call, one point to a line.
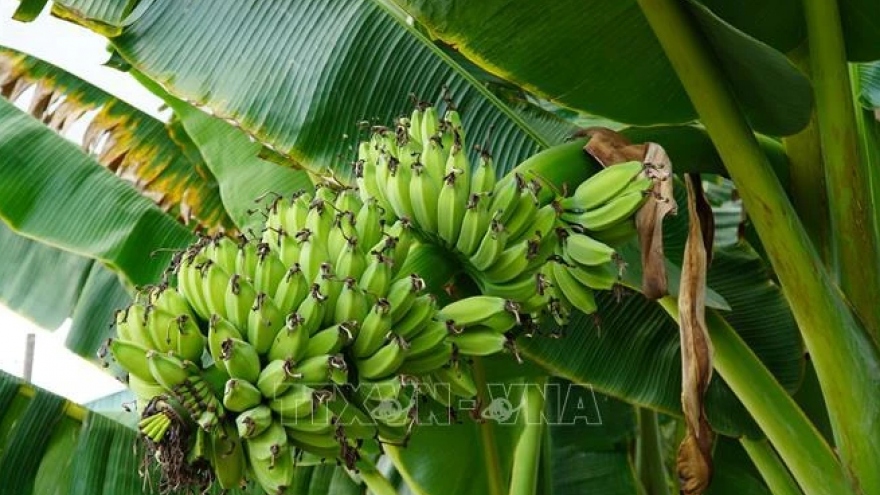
point(694, 454)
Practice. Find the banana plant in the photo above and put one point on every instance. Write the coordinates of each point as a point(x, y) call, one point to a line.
point(276, 97)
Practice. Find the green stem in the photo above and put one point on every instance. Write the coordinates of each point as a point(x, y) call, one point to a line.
point(846, 359)
point(807, 186)
point(527, 456)
point(846, 174)
point(810, 458)
point(378, 484)
point(494, 473)
point(649, 456)
point(775, 474)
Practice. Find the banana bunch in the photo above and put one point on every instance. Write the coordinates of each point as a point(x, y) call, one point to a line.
point(314, 336)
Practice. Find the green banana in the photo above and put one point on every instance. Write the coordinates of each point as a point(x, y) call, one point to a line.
point(291, 341)
point(241, 359)
point(312, 309)
point(603, 186)
point(331, 340)
point(584, 250)
point(292, 290)
point(168, 370)
point(276, 378)
point(476, 310)
point(483, 180)
point(352, 303)
point(246, 260)
point(270, 459)
point(479, 342)
point(459, 378)
point(132, 357)
point(263, 324)
point(374, 330)
point(270, 270)
point(432, 335)
point(440, 355)
point(450, 208)
point(419, 314)
point(385, 361)
point(377, 275)
point(239, 300)
point(617, 210)
point(599, 277)
point(228, 457)
point(491, 246)
point(423, 192)
point(402, 294)
point(220, 329)
point(254, 421)
point(510, 263)
point(296, 402)
point(240, 395)
point(573, 292)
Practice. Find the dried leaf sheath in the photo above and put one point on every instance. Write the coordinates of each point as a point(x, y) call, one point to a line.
point(694, 454)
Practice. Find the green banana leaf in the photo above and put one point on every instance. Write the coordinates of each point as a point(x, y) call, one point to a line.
point(603, 59)
point(28, 10)
point(299, 76)
point(55, 194)
point(135, 146)
point(50, 446)
point(48, 285)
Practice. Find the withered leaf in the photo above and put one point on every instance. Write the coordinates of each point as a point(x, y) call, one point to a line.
point(694, 455)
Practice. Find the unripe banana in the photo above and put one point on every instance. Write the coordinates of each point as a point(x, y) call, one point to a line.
point(603, 186)
point(321, 370)
point(385, 361)
point(377, 275)
point(263, 324)
point(189, 280)
point(483, 180)
point(131, 325)
point(368, 223)
point(291, 341)
point(223, 251)
point(451, 208)
point(402, 294)
point(132, 357)
point(600, 277)
point(168, 370)
point(476, 310)
point(214, 282)
point(352, 303)
point(220, 329)
point(351, 261)
point(294, 217)
point(240, 395)
point(313, 253)
point(270, 270)
point(524, 214)
point(510, 263)
point(270, 459)
point(479, 342)
point(321, 215)
point(254, 421)
point(617, 210)
point(423, 195)
point(331, 340)
point(239, 299)
point(430, 124)
point(520, 289)
point(491, 246)
point(573, 292)
point(171, 301)
point(398, 188)
point(374, 330)
point(431, 336)
point(459, 378)
point(276, 378)
point(241, 360)
point(342, 231)
point(292, 290)
point(586, 251)
point(416, 318)
point(414, 130)
point(289, 248)
point(618, 234)
point(318, 422)
point(228, 457)
point(400, 238)
point(298, 401)
point(379, 390)
point(505, 196)
point(246, 260)
point(312, 309)
point(440, 355)
point(348, 200)
point(542, 225)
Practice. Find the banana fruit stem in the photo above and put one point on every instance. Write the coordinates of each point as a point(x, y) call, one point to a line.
point(494, 473)
point(801, 446)
point(526, 458)
point(846, 358)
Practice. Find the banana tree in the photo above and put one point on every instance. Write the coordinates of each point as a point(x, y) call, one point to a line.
point(776, 114)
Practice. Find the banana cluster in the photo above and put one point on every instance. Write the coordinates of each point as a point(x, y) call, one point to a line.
point(543, 253)
point(304, 332)
point(314, 337)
